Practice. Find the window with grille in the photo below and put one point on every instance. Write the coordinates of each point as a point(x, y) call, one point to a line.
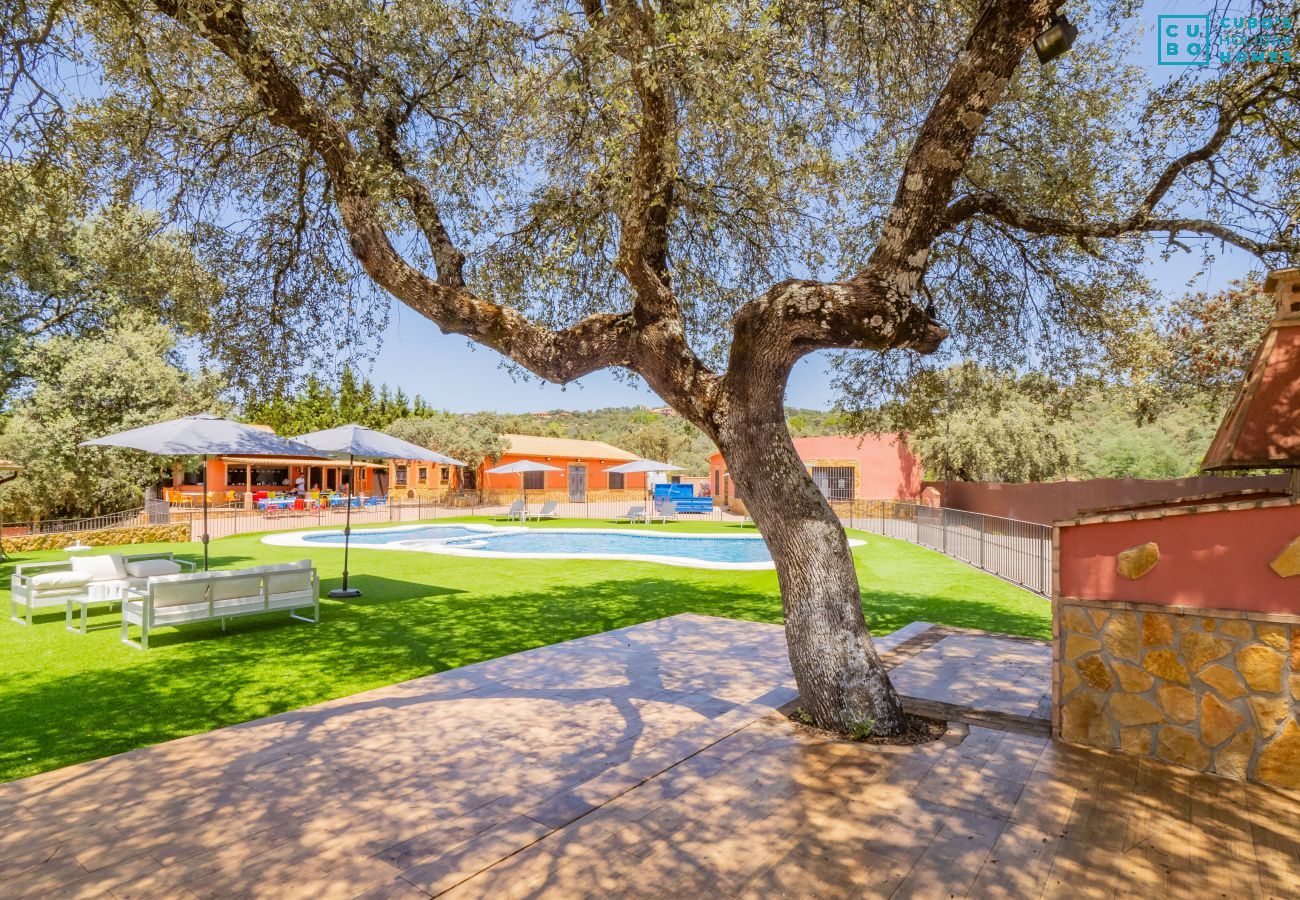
point(424, 475)
point(616, 481)
point(835, 482)
point(445, 475)
point(534, 481)
point(401, 476)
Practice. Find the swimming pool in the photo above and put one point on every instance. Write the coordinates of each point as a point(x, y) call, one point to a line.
point(708, 551)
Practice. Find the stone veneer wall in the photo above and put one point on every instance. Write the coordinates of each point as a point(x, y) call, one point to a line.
point(109, 537)
point(1216, 691)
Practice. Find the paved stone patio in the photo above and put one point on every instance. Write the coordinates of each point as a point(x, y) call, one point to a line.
point(975, 677)
point(641, 762)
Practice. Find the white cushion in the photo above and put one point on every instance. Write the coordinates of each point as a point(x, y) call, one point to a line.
point(49, 581)
point(101, 568)
point(239, 587)
point(149, 568)
point(289, 582)
point(179, 590)
point(297, 566)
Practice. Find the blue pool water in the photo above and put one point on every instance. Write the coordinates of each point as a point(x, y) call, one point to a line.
point(370, 536)
point(558, 542)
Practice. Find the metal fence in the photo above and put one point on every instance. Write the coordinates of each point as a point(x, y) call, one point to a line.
point(124, 519)
point(227, 521)
point(1020, 552)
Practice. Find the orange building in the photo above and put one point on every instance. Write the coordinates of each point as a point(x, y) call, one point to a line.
point(582, 464)
point(845, 466)
point(582, 474)
point(237, 480)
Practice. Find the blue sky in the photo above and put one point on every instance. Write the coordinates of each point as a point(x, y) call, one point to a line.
point(461, 378)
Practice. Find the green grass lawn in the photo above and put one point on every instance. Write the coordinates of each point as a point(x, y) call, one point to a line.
point(65, 697)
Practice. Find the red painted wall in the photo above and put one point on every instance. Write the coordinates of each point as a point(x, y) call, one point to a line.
point(1208, 560)
point(887, 470)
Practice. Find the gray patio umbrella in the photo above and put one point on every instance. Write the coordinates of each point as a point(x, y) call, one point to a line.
point(204, 435)
point(646, 466)
point(520, 468)
point(355, 440)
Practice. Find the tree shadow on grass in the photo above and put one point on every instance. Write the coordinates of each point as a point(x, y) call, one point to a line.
point(197, 678)
point(376, 589)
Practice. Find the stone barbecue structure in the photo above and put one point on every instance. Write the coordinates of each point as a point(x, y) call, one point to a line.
point(1176, 626)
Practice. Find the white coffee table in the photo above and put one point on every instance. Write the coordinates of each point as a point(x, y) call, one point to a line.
point(97, 593)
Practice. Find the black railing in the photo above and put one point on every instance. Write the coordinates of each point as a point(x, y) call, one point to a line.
point(1020, 552)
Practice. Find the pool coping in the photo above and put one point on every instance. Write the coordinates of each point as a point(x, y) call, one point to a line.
point(299, 539)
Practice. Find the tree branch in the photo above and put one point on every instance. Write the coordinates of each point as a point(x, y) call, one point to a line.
point(448, 260)
point(1247, 98)
point(597, 342)
point(667, 361)
point(874, 308)
point(643, 242)
point(1002, 34)
point(1044, 225)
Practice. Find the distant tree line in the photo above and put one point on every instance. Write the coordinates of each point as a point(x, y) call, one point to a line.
point(1150, 414)
point(319, 404)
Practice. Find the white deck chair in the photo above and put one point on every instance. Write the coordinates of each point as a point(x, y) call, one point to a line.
point(516, 511)
point(633, 514)
point(666, 511)
point(550, 510)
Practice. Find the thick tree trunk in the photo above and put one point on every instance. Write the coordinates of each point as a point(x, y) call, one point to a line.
point(841, 680)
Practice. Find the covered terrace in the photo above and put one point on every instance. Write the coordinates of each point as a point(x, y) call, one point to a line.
point(239, 480)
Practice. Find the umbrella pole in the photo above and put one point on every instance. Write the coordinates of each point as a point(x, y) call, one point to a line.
point(346, 592)
point(205, 512)
point(4, 555)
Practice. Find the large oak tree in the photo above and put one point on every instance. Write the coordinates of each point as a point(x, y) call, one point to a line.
point(700, 192)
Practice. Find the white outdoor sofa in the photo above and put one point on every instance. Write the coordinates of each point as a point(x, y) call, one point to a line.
point(34, 586)
point(217, 596)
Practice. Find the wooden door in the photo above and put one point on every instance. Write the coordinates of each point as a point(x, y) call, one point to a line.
point(577, 483)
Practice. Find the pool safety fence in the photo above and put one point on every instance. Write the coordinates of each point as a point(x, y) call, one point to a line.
point(230, 521)
point(1020, 552)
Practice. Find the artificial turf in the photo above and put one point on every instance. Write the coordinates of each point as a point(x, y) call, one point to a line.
point(65, 697)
